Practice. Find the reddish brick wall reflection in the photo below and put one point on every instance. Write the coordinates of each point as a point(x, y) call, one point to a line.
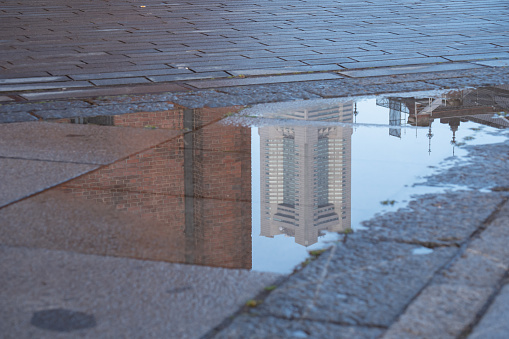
point(150, 186)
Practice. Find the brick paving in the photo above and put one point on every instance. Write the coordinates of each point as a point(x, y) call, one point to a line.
point(76, 44)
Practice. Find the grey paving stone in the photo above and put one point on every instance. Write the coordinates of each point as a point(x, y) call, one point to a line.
point(39, 86)
point(397, 62)
point(15, 117)
point(495, 323)
point(440, 311)
point(126, 297)
point(32, 80)
point(120, 81)
point(285, 70)
point(252, 327)
point(191, 76)
point(408, 69)
point(4, 98)
point(494, 63)
point(21, 178)
point(93, 92)
point(358, 283)
point(427, 220)
point(262, 80)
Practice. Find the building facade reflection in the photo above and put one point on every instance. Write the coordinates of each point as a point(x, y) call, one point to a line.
point(306, 174)
point(189, 198)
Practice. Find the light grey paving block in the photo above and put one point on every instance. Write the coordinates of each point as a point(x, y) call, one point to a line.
point(494, 63)
point(440, 311)
point(251, 327)
point(262, 80)
point(408, 69)
point(398, 62)
point(191, 76)
point(88, 144)
point(285, 70)
point(360, 283)
point(92, 92)
point(431, 222)
point(21, 178)
point(32, 80)
point(125, 298)
point(120, 81)
point(16, 117)
point(4, 98)
point(39, 86)
point(495, 323)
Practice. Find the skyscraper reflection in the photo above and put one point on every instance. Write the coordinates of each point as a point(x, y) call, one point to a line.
point(306, 174)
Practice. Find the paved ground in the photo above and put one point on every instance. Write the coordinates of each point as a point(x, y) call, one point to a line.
point(89, 45)
point(374, 284)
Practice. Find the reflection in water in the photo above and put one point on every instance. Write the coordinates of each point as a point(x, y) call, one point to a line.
point(188, 199)
point(477, 105)
point(306, 175)
point(189, 196)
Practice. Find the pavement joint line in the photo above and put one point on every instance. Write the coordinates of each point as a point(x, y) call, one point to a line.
point(463, 248)
point(484, 309)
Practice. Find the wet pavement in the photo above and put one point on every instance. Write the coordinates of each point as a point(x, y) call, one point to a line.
point(177, 170)
point(106, 204)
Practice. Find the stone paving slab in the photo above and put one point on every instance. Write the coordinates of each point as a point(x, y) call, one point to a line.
point(124, 297)
point(264, 80)
point(78, 38)
point(357, 283)
point(272, 328)
point(408, 69)
point(495, 324)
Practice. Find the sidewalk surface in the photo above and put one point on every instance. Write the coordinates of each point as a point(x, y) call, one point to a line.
point(436, 269)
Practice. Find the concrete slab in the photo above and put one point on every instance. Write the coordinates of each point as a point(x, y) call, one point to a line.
point(4, 98)
point(247, 326)
point(494, 63)
point(495, 323)
point(408, 69)
point(358, 283)
point(85, 144)
point(93, 92)
point(122, 297)
point(21, 178)
point(441, 311)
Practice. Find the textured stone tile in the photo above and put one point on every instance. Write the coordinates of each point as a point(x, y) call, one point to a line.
point(32, 80)
point(21, 178)
point(494, 324)
point(408, 69)
point(4, 98)
point(427, 219)
point(120, 81)
point(93, 92)
point(359, 283)
point(262, 80)
point(269, 327)
point(126, 297)
point(494, 63)
point(440, 311)
point(42, 86)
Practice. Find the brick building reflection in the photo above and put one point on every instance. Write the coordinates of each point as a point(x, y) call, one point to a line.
point(306, 174)
point(480, 105)
point(190, 196)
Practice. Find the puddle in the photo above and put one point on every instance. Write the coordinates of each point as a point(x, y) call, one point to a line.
point(258, 188)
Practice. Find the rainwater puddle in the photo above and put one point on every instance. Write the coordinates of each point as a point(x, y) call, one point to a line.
point(258, 188)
